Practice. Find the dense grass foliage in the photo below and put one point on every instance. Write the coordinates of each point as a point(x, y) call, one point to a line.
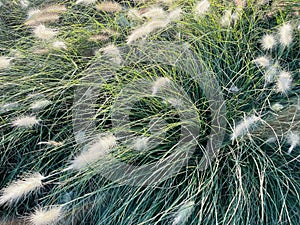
point(90, 87)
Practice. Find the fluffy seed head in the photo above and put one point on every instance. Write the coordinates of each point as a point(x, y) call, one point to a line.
point(24, 3)
point(146, 29)
point(277, 107)
point(271, 73)
point(284, 82)
point(42, 18)
point(86, 2)
point(20, 188)
point(95, 151)
point(107, 6)
point(55, 9)
point(262, 61)
point(25, 121)
point(32, 13)
point(159, 83)
point(140, 143)
point(227, 18)
point(4, 62)
point(175, 14)
point(155, 13)
point(201, 7)
point(99, 37)
point(243, 126)
point(293, 138)
point(268, 41)
point(59, 45)
point(46, 216)
point(113, 52)
point(184, 213)
point(286, 34)
point(44, 33)
point(40, 104)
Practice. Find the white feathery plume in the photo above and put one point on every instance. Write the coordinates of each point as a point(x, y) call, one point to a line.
point(134, 14)
point(286, 34)
point(32, 13)
point(8, 106)
point(24, 3)
point(108, 6)
point(4, 62)
point(155, 13)
point(95, 151)
point(184, 213)
point(227, 18)
point(40, 104)
point(262, 61)
point(20, 188)
point(268, 41)
point(271, 73)
point(159, 83)
point(25, 121)
point(46, 216)
point(146, 29)
point(44, 33)
point(113, 52)
point(59, 45)
point(141, 143)
point(284, 82)
point(277, 107)
point(243, 127)
point(175, 15)
point(201, 8)
point(86, 2)
point(42, 18)
point(293, 139)
point(154, 25)
point(57, 8)
point(52, 143)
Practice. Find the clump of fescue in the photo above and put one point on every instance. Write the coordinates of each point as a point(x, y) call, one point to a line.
point(46, 216)
point(184, 213)
point(293, 139)
point(4, 62)
point(95, 152)
point(44, 33)
point(25, 122)
point(108, 6)
point(159, 83)
point(201, 8)
point(285, 34)
point(268, 41)
point(15, 191)
point(244, 126)
point(284, 82)
point(262, 61)
point(40, 104)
